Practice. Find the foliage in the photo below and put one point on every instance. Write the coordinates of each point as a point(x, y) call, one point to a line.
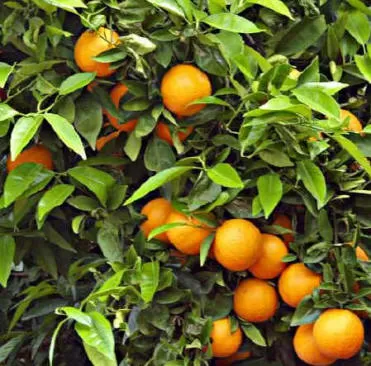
point(79, 282)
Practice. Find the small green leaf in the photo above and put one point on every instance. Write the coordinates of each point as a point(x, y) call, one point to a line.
point(305, 313)
point(225, 175)
point(149, 281)
point(109, 243)
point(364, 66)
point(66, 133)
point(83, 203)
point(270, 192)
point(205, 248)
point(75, 82)
point(23, 131)
point(10, 346)
point(7, 251)
point(325, 227)
point(276, 5)
point(6, 112)
point(163, 228)
point(157, 181)
point(318, 101)
point(133, 146)
point(54, 197)
point(358, 26)
point(159, 155)
point(169, 5)
point(54, 340)
point(254, 334)
point(68, 5)
point(232, 23)
point(95, 180)
point(5, 71)
point(313, 180)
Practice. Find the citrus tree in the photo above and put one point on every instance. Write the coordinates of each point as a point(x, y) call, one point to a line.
point(185, 182)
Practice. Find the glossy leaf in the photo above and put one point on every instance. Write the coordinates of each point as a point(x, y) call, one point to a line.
point(6, 112)
point(5, 71)
point(7, 251)
point(150, 275)
point(270, 192)
point(76, 82)
point(225, 175)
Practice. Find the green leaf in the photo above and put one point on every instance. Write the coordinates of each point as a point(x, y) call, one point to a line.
point(89, 119)
point(305, 313)
point(66, 133)
point(5, 71)
point(6, 112)
point(364, 66)
point(358, 26)
point(98, 335)
point(109, 242)
point(329, 87)
point(353, 150)
point(76, 314)
point(205, 248)
point(254, 334)
point(83, 203)
point(276, 5)
point(313, 180)
point(302, 35)
point(23, 131)
point(133, 146)
point(54, 197)
point(318, 101)
point(68, 5)
point(56, 238)
point(19, 180)
point(225, 175)
point(9, 347)
point(157, 181)
point(325, 227)
point(163, 228)
point(146, 124)
point(169, 5)
point(95, 180)
point(159, 155)
point(97, 358)
point(54, 340)
point(270, 192)
point(360, 5)
point(76, 82)
point(7, 251)
point(149, 280)
point(232, 23)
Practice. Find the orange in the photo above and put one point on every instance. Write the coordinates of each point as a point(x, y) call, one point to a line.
point(255, 300)
point(269, 265)
point(163, 132)
point(182, 85)
point(91, 44)
point(237, 244)
point(338, 333)
point(102, 141)
point(188, 238)
point(224, 342)
point(296, 282)
point(306, 347)
point(361, 254)
point(228, 361)
point(285, 222)
point(157, 212)
point(38, 154)
point(354, 124)
point(118, 91)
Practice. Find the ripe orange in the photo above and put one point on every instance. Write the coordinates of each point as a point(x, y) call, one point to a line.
point(354, 124)
point(224, 342)
point(182, 85)
point(188, 238)
point(255, 300)
point(237, 244)
point(118, 91)
point(238, 356)
point(104, 140)
point(36, 154)
point(285, 222)
point(296, 282)
point(307, 349)
point(157, 212)
point(91, 44)
point(361, 254)
point(338, 333)
point(269, 265)
point(163, 132)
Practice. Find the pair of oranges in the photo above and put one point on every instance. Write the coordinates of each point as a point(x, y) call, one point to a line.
point(180, 87)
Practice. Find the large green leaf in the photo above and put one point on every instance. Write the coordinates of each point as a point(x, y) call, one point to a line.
point(232, 23)
point(7, 251)
point(95, 180)
point(149, 280)
point(313, 180)
point(76, 82)
point(157, 181)
point(66, 133)
point(22, 133)
point(358, 26)
point(97, 358)
point(51, 199)
point(276, 5)
point(270, 192)
point(98, 335)
point(158, 155)
point(169, 5)
point(5, 71)
point(68, 5)
point(364, 65)
point(225, 175)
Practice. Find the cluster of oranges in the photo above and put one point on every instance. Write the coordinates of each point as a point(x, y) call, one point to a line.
point(238, 246)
